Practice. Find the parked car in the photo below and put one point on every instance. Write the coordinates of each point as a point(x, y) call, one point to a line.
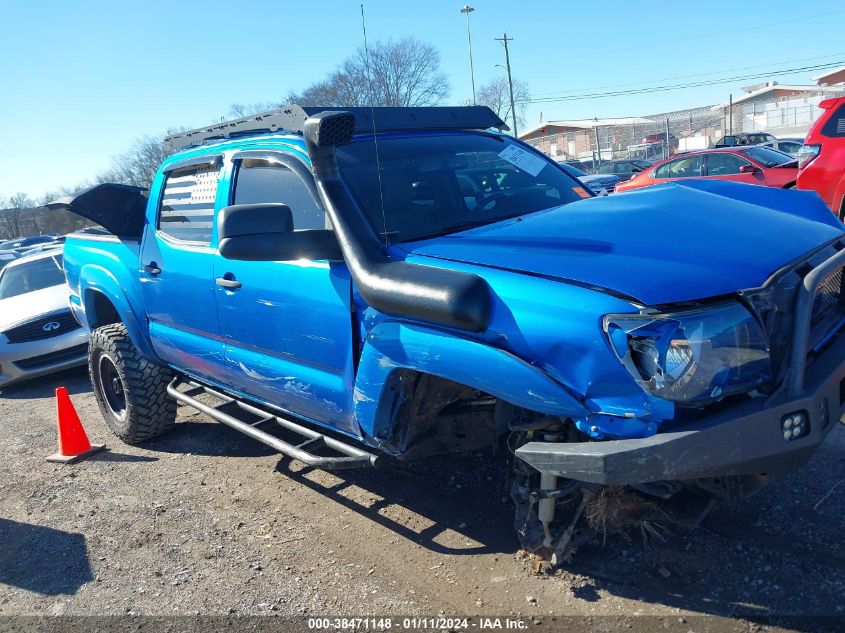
point(42, 246)
point(789, 146)
point(582, 165)
point(751, 138)
point(624, 168)
point(754, 165)
point(821, 162)
point(461, 294)
point(10, 245)
point(38, 333)
point(599, 184)
point(6, 257)
point(22, 244)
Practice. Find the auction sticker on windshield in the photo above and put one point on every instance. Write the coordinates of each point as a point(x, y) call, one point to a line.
point(524, 160)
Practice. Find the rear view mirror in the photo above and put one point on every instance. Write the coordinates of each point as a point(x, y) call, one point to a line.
point(748, 169)
point(264, 232)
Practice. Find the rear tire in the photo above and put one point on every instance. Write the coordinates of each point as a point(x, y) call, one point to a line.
point(130, 390)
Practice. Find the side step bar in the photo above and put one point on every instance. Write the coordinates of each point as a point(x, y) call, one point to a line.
point(351, 457)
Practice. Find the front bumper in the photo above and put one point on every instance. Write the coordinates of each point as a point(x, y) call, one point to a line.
point(744, 440)
point(22, 361)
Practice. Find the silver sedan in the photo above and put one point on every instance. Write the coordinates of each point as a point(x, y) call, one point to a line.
point(38, 333)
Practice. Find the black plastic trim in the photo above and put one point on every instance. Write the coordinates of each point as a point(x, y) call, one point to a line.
point(448, 297)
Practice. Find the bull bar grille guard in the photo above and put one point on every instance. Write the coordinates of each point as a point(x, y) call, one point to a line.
point(804, 311)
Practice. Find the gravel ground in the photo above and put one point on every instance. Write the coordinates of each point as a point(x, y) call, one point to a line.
point(206, 521)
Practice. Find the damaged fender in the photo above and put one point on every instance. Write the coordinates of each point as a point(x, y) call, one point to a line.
point(391, 346)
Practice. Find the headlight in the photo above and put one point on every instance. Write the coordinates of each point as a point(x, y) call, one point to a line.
point(694, 357)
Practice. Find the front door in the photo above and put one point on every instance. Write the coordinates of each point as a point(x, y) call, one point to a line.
point(177, 263)
point(288, 324)
point(726, 166)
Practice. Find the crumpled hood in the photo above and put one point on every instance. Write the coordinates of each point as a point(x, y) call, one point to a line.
point(31, 305)
point(668, 243)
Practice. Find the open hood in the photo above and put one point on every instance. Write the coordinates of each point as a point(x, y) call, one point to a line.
point(119, 209)
point(678, 242)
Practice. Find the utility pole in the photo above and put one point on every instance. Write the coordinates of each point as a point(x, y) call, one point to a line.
point(731, 114)
point(504, 40)
point(466, 10)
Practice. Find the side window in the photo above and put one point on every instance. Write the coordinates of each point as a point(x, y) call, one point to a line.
point(607, 168)
point(729, 141)
point(723, 164)
point(687, 167)
point(262, 181)
point(835, 125)
point(187, 204)
point(665, 170)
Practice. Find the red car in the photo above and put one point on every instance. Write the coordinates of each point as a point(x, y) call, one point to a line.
point(755, 165)
point(821, 162)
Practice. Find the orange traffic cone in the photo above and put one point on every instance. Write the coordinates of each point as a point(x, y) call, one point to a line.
point(73, 442)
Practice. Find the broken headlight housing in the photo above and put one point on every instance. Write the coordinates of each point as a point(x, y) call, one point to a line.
point(694, 357)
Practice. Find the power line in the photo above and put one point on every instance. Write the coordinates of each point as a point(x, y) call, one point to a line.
point(663, 43)
point(712, 82)
point(714, 72)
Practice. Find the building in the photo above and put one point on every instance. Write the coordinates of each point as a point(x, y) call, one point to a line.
point(781, 109)
point(578, 139)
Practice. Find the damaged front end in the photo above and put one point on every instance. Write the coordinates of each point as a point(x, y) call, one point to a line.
point(756, 383)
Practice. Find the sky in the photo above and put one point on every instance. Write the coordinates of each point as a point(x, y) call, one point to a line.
point(83, 80)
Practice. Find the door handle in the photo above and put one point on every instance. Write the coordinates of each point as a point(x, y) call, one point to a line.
point(228, 284)
point(152, 269)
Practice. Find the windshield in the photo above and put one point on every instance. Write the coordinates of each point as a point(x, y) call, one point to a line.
point(30, 276)
point(767, 156)
point(439, 184)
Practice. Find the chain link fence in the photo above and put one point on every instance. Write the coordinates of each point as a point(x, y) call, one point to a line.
point(658, 136)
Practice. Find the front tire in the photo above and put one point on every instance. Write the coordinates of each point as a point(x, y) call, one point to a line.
point(130, 390)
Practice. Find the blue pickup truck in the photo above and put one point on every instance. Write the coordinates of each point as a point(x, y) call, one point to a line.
point(348, 285)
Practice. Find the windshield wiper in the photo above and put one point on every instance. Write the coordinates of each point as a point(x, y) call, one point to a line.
point(453, 228)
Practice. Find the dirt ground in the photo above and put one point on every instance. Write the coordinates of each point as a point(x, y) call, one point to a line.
point(206, 521)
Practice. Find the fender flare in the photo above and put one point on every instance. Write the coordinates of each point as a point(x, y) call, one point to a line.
point(93, 279)
point(392, 346)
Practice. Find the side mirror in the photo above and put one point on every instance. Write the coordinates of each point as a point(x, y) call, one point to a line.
point(264, 233)
point(749, 169)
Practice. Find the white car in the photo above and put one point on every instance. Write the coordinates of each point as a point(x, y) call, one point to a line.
point(38, 333)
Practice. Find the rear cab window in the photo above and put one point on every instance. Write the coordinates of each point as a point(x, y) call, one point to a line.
point(186, 210)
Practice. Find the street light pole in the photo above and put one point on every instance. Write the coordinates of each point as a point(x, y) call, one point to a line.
point(504, 40)
point(467, 10)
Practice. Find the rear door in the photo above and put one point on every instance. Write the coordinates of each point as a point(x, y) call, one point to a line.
point(288, 325)
point(177, 265)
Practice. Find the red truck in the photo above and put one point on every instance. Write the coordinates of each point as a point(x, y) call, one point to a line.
point(821, 161)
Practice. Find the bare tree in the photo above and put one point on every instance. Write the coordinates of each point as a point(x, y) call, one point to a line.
point(496, 96)
point(16, 218)
point(138, 165)
point(402, 73)
point(239, 110)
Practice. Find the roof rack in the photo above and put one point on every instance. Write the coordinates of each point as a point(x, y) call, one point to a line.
point(291, 118)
